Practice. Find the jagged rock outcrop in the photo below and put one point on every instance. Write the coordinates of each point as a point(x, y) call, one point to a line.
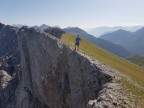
point(8, 40)
point(8, 85)
point(55, 76)
point(9, 53)
point(111, 96)
point(9, 65)
point(51, 75)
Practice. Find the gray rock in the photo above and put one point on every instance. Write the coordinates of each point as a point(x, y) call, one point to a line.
point(51, 75)
point(9, 65)
point(8, 86)
point(111, 96)
point(54, 74)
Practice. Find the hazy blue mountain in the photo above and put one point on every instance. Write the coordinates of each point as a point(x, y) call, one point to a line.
point(36, 27)
point(18, 25)
point(133, 42)
point(117, 37)
point(109, 46)
point(42, 27)
point(136, 44)
point(98, 31)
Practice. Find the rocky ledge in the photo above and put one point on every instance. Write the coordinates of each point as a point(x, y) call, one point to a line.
point(57, 77)
point(54, 76)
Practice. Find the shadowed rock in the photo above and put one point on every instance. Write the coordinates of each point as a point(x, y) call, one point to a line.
point(57, 32)
point(9, 65)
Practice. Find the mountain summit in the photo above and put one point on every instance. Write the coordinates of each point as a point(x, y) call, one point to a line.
point(42, 27)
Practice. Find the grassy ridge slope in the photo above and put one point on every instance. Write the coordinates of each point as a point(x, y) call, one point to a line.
point(133, 71)
point(139, 60)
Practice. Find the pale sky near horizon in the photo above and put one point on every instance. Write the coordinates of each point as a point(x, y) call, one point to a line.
point(76, 13)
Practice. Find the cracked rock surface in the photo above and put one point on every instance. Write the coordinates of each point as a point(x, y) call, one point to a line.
point(52, 75)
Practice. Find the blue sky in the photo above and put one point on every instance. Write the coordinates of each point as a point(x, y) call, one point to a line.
point(80, 13)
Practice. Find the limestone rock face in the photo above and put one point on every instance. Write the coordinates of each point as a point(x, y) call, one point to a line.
point(4, 78)
point(8, 40)
point(9, 65)
point(8, 86)
point(51, 75)
point(54, 75)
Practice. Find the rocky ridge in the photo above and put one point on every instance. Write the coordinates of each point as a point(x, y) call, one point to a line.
point(9, 65)
point(54, 76)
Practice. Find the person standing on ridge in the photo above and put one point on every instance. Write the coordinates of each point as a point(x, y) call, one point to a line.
point(77, 42)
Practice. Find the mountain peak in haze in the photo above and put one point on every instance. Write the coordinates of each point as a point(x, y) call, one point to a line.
point(42, 27)
point(140, 31)
point(116, 36)
point(18, 25)
point(98, 31)
point(121, 31)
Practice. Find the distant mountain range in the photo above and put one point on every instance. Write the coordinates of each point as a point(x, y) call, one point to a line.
point(118, 37)
point(42, 27)
point(109, 46)
point(18, 25)
point(133, 42)
point(98, 31)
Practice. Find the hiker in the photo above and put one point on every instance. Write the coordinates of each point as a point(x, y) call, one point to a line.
point(77, 42)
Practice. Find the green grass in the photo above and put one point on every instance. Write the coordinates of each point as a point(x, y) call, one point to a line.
point(139, 60)
point(133, 71)
point(139, 98)
point(131, 87)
